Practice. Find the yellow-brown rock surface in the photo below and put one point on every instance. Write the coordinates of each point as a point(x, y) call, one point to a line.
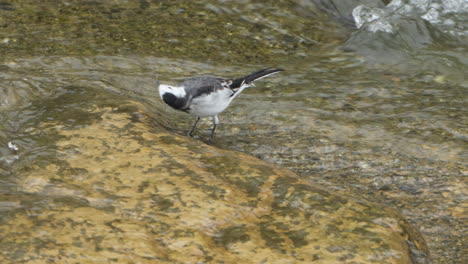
point(127, 191)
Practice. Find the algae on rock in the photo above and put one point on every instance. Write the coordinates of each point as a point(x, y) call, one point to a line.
point(125, 190)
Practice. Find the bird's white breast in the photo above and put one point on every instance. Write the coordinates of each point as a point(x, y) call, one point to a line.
point(211, 104)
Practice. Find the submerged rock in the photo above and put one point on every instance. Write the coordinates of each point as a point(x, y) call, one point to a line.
point(124, 190)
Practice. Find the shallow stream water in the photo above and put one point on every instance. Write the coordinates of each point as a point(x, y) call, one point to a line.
point(390, 133)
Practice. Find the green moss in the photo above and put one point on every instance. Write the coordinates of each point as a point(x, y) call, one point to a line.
point(142, 186)
point(182, 233)
point(222, 165)
point(232, 234)
point(162, 203)
point(212, 191)
point(298, 237)
point(272, 238)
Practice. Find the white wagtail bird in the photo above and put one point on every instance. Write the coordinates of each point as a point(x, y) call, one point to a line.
point(208, 96)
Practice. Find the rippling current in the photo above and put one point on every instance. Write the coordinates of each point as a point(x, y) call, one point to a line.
point(394, 131)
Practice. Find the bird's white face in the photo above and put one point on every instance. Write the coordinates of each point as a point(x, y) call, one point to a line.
point(175, 90)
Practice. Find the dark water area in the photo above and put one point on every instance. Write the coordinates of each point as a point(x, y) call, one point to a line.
point(377, 112)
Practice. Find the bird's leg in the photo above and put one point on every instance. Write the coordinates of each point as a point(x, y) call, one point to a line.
point(215, 123)
point(193, 127)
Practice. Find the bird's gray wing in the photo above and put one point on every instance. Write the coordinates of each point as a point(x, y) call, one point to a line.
point(199, 86)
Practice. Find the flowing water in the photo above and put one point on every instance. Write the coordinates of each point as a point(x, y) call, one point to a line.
point(394, 131)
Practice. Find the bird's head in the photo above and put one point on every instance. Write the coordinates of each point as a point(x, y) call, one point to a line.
point(172, 95)
point(174, 90)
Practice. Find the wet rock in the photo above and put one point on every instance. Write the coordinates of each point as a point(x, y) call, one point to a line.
point(342, 10)
point(394, 34)
point(124, 190)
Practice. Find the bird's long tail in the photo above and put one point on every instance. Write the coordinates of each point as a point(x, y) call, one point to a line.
point(249, 79)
